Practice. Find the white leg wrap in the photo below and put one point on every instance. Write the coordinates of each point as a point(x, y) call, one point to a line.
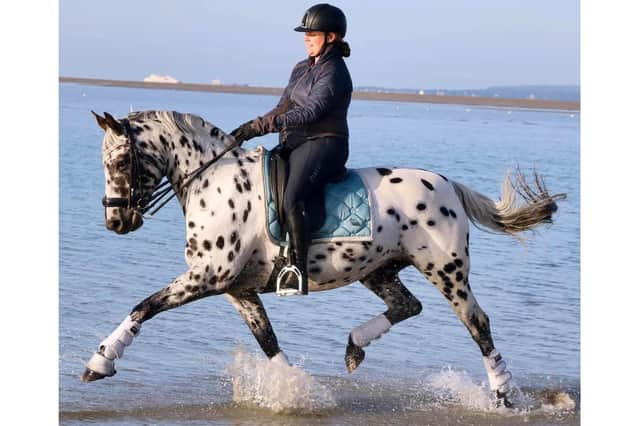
point(113, 346)
point(280, 359)
point(102, 365)
point(499, 376)
point(374, 328)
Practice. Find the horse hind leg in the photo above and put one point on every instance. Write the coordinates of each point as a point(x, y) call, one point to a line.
point(386, 284)
point(452, 279)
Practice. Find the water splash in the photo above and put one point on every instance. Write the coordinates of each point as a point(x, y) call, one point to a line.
point(449, 385)
point(457, 387)
point(276, 386)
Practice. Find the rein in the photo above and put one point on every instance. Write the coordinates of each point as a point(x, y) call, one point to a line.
point(163, 189)
point(137, 201)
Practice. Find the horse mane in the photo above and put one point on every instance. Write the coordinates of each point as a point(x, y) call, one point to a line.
point(174, 121)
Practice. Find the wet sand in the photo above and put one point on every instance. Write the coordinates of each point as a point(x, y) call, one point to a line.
point(360, 95)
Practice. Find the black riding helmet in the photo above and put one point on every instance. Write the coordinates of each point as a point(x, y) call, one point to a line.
point(323, 17)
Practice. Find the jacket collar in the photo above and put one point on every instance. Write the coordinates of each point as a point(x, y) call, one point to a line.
point(330, 52)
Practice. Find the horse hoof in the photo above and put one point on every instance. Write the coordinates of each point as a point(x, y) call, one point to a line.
point(91, 376)
point(354, 356)
point(503, 400)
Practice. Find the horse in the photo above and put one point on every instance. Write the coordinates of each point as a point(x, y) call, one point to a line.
point(420, 219)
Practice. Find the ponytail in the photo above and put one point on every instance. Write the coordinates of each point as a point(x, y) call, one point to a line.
point(344, 47)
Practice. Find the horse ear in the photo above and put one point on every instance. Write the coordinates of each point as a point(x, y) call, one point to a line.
point(113, 124)
point(101, 121)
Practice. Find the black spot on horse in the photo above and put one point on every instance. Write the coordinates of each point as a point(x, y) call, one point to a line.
point(395, 180)
point(205, 183)
point(231, 204)
point(444, 211)
point(462, 294)
point(206, 244)
point(383, 171)
point(405, 227)
point(427, 184)
point(245, 215)
point(443, 177)
point(237, 247)
point(234, 236)
point(191, 224)
point(429, 266)
point(215, 132)
point(452, 213)
point(421, 206)
point(458, 263)
point(380, 228)
point(413, 222)
point(391, 211)
point(449, 268)
point(320, 256)
point(431, 223)
point(220, 242)
point(459, 276)
point(202, 203)
point(315, 270)
point(230, 256)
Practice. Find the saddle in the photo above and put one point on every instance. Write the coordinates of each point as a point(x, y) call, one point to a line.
point(278, 165)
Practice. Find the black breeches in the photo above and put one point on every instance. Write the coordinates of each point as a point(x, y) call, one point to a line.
point(311, 165)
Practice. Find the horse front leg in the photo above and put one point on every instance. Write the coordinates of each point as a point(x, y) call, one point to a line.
point(252, 311)
point(190, 286)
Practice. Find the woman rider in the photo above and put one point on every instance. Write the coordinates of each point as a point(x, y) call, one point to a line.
point(311, 117)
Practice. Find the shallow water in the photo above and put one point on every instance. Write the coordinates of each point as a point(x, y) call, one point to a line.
point(426, 370)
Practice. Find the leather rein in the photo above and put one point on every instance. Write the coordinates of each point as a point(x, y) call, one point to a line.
point(136, 199)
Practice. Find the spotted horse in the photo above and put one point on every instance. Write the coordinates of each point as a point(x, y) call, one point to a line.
point(419, 218)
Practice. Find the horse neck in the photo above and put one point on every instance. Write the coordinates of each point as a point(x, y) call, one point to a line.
point(183, 143)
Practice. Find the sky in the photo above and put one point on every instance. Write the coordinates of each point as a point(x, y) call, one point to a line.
point(424, 44)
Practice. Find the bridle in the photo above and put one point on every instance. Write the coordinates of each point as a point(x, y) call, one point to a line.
point(136, 200)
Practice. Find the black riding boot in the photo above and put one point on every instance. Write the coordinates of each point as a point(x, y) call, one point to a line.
point(299, 238)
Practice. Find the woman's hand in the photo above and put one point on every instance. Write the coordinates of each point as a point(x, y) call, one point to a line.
point(245, 132)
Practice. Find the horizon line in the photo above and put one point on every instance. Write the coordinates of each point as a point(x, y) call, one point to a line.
point(357, 95)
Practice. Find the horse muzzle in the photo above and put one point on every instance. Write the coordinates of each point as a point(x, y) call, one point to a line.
point(124, 222)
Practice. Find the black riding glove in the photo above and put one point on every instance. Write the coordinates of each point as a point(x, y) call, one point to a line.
point(245, 132)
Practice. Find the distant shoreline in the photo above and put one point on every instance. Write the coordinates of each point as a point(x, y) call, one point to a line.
point(360, 95)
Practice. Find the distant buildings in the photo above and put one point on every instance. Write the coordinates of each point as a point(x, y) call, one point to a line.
point(154, 78)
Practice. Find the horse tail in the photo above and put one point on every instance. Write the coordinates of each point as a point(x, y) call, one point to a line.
point(507, 215)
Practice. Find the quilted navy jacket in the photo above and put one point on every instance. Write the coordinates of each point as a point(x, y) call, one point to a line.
point(314, 103)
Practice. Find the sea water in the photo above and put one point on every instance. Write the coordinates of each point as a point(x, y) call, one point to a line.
point(199, 364)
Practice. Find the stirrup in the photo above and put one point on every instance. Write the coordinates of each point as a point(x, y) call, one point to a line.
point(289, 291)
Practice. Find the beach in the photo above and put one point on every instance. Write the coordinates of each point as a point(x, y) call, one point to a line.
point(534, 104)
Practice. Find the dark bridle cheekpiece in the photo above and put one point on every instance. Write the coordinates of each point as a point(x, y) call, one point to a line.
point(136, 198)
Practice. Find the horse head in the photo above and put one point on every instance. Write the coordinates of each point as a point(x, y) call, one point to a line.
point(125, 192)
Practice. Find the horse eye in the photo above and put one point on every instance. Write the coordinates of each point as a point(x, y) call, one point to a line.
point(121, 165)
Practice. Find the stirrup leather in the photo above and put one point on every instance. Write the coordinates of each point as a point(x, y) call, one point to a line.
point(289, 291)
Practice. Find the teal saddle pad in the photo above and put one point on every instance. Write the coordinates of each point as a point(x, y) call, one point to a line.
point(347, 210)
